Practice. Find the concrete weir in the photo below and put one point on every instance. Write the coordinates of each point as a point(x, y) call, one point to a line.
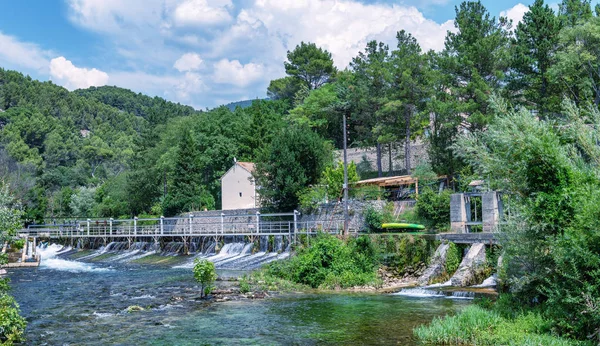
point(471, 266)
point(437, 266)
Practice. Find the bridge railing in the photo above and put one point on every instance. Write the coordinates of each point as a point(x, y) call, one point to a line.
point(247, 224)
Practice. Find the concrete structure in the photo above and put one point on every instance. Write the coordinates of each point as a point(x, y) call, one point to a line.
point(458, 213)
point(238, 190)
point(466, 212)
point(491, 210)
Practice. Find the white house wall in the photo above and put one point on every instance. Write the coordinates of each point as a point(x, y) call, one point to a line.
point(238, 190)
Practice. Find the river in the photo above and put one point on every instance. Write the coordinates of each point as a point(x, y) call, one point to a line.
point(75, 303)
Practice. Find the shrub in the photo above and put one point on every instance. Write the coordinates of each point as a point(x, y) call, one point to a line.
point(330, 262)
point(373, 219)
point(205, 274)
point(18, 244)
point(434, 207)
point(12, 324)
point(410, 252)
point(453, 258)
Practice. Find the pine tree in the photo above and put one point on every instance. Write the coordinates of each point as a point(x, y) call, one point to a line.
point(186, 192)
point(476, 58)
point(534, 44)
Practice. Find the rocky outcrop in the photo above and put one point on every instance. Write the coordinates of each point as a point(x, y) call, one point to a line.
point(437, 266)
point(472, 268)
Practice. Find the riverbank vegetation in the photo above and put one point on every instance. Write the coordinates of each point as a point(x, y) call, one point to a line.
point(550, 242)
point(478, 326)
point(12, 325)
point(329, 262)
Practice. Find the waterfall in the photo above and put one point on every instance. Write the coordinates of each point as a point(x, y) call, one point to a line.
point(278, 244)
point(263, 243)
point(238, 255)
point(428, 293)
point(489, 282)
point(50, 260)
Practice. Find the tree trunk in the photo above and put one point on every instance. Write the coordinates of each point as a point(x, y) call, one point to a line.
point(407, 141)
point(379, 169)
point(391, 165)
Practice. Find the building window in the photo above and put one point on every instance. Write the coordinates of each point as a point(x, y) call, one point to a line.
point(240, 194)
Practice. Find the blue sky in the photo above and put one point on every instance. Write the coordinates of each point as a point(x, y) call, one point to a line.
point(204, 52)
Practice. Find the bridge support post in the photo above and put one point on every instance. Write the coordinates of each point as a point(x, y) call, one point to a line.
point(258, 222)
point(162, 225)
point(295, 224)
point(191, 220)
point(88, 227)
point(110, 222)
point(222, 223)
point(135, 226)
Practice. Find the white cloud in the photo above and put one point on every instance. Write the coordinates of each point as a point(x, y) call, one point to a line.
point(22, 55)
point(233, 72)
point(188, 62)
point(341, 26)
point(203, 12)
point(116, 16)
point(150, 35)
point(72, 77)
point(515, 13)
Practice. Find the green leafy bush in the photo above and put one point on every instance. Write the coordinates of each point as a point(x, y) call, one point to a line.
point(434, 207)
point(453, 259)
point(373, 219)
point(205, 274)
point(12, 324)
point(18, 243)
point(330, 262)
point(411, 252)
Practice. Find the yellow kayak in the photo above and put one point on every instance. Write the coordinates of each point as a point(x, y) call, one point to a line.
point(402, 226)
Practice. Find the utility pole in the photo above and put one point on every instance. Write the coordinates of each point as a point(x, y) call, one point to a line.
point(345, 178)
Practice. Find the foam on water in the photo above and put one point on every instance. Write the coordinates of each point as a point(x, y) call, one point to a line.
point(489, 282)
point(49, 260)
point(427, 293)
point(419, 293)
point(443, 284)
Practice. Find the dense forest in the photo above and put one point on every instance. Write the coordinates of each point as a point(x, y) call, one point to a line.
point(109, 152)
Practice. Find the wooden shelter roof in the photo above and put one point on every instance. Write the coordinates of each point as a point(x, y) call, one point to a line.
point(388, 181)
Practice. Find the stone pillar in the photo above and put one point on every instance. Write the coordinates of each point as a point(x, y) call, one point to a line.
point(490, 206)
point(458, 213)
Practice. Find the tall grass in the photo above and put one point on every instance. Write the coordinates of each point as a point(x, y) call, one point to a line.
point(477, 326)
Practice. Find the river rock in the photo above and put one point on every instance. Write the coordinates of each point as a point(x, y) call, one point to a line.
point(471, 266)
point(437, 266)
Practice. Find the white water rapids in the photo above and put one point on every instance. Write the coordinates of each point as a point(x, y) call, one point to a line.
point(51, 261)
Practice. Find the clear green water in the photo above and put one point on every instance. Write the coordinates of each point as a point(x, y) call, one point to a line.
point(89, 308)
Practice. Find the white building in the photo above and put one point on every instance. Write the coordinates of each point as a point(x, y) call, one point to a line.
point(238, 190)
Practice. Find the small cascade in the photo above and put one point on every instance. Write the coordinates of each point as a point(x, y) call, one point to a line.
point(210, 249)
point(419, 293)
point(443, 284)
point(238, 254)
point(263, 243)
point(49, 255)
point(487, 283)
point(172, 249)
point(278, 244)
point(428, 293)
point(115, 246)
